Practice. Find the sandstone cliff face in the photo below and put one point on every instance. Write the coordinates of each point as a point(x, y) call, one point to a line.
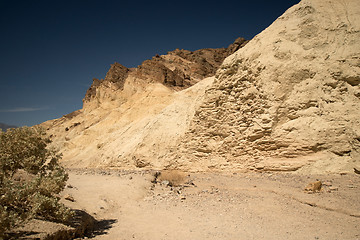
point(288, 100)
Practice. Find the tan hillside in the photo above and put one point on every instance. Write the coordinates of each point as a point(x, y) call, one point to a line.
point(134, 116)
point(288, 100)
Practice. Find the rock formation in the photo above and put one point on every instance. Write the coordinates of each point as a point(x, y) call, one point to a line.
point(116, 76)
point(179, 69)
point(136, 115)
point(288, 100)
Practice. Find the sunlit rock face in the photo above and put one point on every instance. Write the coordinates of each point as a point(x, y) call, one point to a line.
point(288, 100)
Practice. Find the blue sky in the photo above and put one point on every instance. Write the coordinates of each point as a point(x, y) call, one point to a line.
point(51, 50)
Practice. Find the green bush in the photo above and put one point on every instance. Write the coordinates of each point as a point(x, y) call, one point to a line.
point(30, 179)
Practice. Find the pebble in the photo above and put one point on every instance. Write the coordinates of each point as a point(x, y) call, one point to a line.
point(165, 183)
point(327, 184)
point(69, 198)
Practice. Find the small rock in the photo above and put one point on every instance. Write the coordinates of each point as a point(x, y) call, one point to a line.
point(327, 184)
point(165, 183)
point(313, 187)
point(333, 188)
point(69, 198)
point(190, 183)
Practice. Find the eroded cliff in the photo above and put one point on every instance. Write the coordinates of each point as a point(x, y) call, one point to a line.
point(288, 100)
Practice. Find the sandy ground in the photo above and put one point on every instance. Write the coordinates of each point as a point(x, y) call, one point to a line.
point(218, 206)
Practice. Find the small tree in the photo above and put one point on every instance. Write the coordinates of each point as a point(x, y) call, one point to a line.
point(30, 178)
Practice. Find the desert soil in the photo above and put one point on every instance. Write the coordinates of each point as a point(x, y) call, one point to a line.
point(217, 206)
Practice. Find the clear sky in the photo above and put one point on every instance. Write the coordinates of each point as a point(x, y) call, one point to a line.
point(51, 50)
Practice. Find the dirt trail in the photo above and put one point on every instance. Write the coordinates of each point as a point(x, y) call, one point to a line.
point(236, 206)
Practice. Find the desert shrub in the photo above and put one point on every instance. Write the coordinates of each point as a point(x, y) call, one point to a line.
point(174, 177)
point(30, 179)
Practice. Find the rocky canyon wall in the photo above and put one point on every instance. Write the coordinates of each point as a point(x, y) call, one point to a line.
point(288, 100)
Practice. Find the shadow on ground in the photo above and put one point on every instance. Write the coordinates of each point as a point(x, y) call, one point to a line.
point(101, 227)
point(88, 226)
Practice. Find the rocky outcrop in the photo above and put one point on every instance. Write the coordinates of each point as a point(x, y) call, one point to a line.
point(179, 69)
point(115, 77)
point(288, 100)
point(236, 45)
point(155, 70)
